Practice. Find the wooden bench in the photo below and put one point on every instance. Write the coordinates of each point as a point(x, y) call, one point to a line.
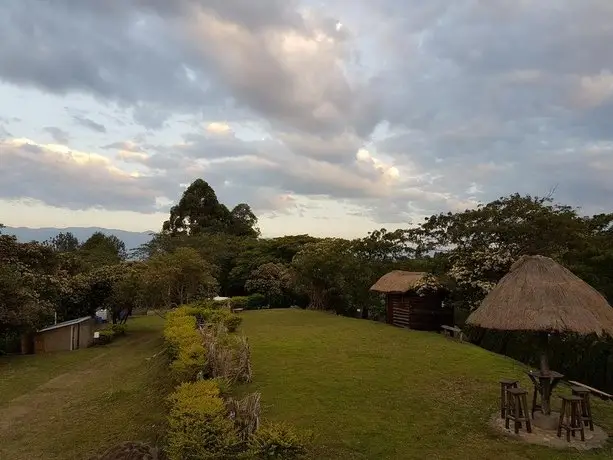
point(600, 394)
point(453, 332)
point(237, 310)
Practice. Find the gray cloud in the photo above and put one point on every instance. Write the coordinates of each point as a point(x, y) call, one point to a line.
point(59, 135)
point(89, 124)
point(479, 99)
point(67, 179)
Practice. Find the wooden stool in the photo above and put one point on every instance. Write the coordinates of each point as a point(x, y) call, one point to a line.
point(586, 408)
point(570, 417)
point(504, 386)
point(517, 409)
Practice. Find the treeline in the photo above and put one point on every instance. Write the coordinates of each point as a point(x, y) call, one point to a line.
point(204, 248)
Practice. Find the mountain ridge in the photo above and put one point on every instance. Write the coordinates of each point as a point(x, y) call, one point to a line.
point(131, 239)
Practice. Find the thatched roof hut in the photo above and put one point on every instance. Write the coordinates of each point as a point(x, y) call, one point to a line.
point(538, 294)
point(397, 282)
point(407, 307)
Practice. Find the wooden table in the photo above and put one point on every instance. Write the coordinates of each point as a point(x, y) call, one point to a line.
point(544, 384)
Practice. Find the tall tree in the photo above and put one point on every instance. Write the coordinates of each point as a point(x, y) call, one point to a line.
point(197, 212)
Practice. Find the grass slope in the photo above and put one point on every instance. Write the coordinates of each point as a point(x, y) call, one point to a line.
point(71, 405)
point(369, 390)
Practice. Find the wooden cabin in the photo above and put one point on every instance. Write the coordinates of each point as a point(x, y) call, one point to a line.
point(407, 308)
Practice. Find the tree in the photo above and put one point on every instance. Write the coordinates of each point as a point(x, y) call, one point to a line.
point(21, 308)
point(28, 276)
point(100, 250)
point(193, 277)
point(481, 244)
point(197, 212)
point(63, 242)
point(271, 280)
point(333, 276)
point(243, 221)
point(178, 277)
point(200, 212)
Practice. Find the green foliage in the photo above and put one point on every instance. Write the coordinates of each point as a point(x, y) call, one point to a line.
point(334, 276)
point(277, 441)
point(177, 277)
point(232, 322)
point(118, 329)
point(239, 301)
point(100, 250)
point(184, 341)
point(199, 212)
point(184, 344)
point(63, 242)
point(199, 427)
point(30, 283)
point(255, 301)
point(273, 280)
point(106, 336)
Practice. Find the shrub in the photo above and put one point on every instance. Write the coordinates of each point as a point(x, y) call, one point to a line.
point(276, 440)
point(256, 301)
point(118, 329)
point(190, 360)
point(106, 336)
point(185, 346)
point(232, 322)
point(199, 427)
point(239, 302)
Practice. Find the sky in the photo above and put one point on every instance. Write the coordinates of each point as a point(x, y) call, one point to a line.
point(332, 118)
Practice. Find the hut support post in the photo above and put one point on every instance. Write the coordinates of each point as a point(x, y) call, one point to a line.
point(545, 382)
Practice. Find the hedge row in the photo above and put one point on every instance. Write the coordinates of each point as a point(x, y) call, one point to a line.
point(204, 422)
point(250, 302)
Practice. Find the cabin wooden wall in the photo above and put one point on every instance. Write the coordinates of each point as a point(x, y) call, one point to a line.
point(424, 313)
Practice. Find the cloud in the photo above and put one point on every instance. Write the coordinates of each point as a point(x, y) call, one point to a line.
point(59, 176)
point(90, 124)
point(129, 146)
point(407, 109)
point(59, 135)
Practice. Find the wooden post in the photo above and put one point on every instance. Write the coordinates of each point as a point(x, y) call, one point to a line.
point(545, 371)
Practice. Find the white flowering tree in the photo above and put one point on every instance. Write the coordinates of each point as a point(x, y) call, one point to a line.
point(481, 244)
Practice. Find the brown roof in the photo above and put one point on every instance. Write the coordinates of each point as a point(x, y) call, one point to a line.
point(538, 294)
point(397, 281)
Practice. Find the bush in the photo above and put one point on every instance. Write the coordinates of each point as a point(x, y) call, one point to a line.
point(210, 315)
point(199, 427)
point(256, 301)
point(118, 329)
point(232, 322)
point(106, 336)
point(275, 440)
point(185, 346)
point(239, 301)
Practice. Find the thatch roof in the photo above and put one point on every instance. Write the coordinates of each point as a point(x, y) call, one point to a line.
point(538, 294)
point(397, 282)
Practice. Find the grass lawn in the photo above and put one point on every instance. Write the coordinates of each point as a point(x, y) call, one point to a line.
point(372, 391)
point(75, 404)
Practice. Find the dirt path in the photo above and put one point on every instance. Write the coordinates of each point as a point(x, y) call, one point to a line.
point(77, 412)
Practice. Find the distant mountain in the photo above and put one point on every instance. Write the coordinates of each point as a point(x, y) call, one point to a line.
point(132, 240)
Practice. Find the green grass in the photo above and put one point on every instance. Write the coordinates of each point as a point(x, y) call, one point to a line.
point(72, 405)
point(371, 391)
